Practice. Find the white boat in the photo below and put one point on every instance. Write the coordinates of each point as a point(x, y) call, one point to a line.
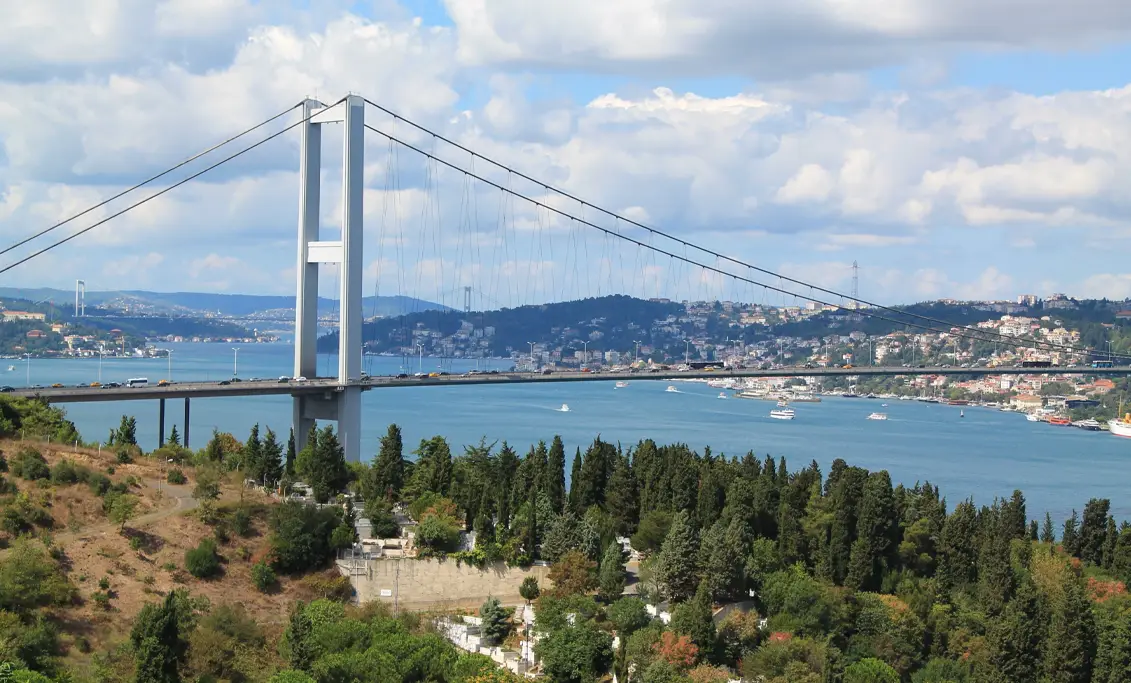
point(11, 368)
point(878, 416)
point(671, 388)
point(621, 384)
point(1121, 427)
point(1033, 417)
point(1090, 425)
point(783, 414)
point(722, 394)
point(961, 413)
point(783, 404)
point(564, 408)
point(883, 405)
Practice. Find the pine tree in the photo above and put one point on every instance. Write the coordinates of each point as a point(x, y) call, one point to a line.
point(620, 499)
point(555, 474)
point(127, 432)
point(677, 563)
point(1113, 647)
point(1013, 516)
point(575, 482)
point(1070, 539)
point(174, 437)
point(322, 464)
point(289, 462)
point(958, 549)
point(995, 575)
point(1111, 537)
point(159, 645)
point(611, 576)
point(875, 530)
point(724, 550)
point(1071, 643)
point(1048, 535)
point(272, 458)
point(297, 638)
point(388, 468)
point(496, 621)
point(1014, 640)
point(1121, 555)
point(693, 619)
point(214, 451)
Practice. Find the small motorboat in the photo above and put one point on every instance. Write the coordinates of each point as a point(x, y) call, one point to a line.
point(722, 394)
point(564, 408)
point(878, 416)
point(671, 389)
point(621, 385)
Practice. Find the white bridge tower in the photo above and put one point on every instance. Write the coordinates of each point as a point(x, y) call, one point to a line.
point(343, 403)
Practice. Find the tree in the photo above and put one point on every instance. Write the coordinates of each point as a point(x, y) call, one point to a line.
point(122, 510)
point(253, 455)
point(677, 565)
point(870, 670)
point(694, 619)
point(529, 589)
point(1014, 640)
point(322, 464)
point(621, 498)
point(1093, 530)
point(653, 529)
point(300, 536)
point(1071, 643)
point(581, 653)
point(126, 435)
point(573, 574)
point(202, 561)
point(1070, 539)
point(574, 481)
point(629, 614)
point(387, 473)
point(555, 475)
point(272, 459)
point(875, 529)
point(159, 644)
point(725, 548)
point(1047, 533)
point(297, 639)
point(677, 650)
point(612, 576)
point(174, 437)
point(207, 487)
point(289, 462)
point(495, 620)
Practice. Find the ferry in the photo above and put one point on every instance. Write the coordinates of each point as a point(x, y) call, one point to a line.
point(671, 388)
point(1090, 425)
point(782, 414)
point(1121, 427)
point(1060, 421)
point(878, 416)
point(621, 384)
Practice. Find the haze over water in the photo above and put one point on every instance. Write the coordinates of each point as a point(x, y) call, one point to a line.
point(985, 454)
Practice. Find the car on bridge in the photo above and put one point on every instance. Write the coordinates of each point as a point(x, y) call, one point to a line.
point(7, 389)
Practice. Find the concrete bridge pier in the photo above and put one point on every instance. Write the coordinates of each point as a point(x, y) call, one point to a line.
point(161, 422)
point(184, 441)
point(344, 403)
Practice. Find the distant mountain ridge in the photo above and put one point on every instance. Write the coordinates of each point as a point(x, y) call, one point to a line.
point(189, 303)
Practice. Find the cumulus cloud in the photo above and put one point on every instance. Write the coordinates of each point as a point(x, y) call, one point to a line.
point(812, 160)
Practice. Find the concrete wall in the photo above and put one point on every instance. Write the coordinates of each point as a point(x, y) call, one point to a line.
point(432, 584)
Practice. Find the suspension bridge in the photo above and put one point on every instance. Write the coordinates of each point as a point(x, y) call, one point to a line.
point(426, 199)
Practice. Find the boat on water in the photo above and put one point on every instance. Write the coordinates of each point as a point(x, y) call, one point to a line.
point(1033, 417)
point(722, 394)
point(564, 408)
point(1060, 421)
point(1091, 425)
point(850, 395)
point(671, 388)
point(621, 384)
point(11, 368)
point(783, 414)
point(783, 404)
point(878, 416)
point(1120, 427)
point(805, 398)
point(962, 413)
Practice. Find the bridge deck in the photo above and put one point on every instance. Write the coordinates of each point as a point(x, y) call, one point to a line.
point(316, 386)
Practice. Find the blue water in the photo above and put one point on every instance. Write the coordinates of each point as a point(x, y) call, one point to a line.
point(988, 453)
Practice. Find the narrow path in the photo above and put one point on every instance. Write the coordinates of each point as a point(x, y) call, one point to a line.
point(182, 502)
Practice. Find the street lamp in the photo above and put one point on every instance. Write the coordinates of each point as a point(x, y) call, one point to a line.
point(585, 352)
point(636, 354)
point(169, 357)
point(687, 352)
point(420, 358)
point(101, 351)
point(532, 367)
point(235, 360)
point(27, 359)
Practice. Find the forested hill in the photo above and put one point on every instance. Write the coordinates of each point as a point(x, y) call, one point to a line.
point(617, 321)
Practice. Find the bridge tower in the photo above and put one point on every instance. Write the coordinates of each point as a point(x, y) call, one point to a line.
point(343, 404)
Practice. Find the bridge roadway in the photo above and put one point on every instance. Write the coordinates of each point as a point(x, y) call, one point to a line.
point(317, 386)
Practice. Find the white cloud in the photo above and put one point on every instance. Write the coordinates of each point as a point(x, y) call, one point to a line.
point(814, 161)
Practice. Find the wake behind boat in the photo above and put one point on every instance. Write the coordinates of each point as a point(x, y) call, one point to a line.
point(564, 408)
point(782, 413)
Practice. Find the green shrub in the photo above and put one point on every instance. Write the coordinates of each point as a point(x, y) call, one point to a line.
point(202, 561)
point(66, 472)
point(124, 457)
point(176, 477)
point(241, 522)
point(101, 599)
point(30, 464)
point(104, 583)
point(263, 577)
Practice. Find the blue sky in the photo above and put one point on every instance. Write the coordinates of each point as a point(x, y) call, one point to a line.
point(962, 150)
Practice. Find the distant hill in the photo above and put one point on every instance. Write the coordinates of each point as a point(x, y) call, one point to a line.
point(189, 303)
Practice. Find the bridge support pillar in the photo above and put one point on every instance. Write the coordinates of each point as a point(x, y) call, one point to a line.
point(186, 442)
point(346, 252)
point(160, 422)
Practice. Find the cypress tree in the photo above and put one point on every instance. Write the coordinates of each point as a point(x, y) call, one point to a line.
point(272, 458)
point(159, 645)
point(875, 530)
point(1113, 647)
point(1093, 530)
point(724, 550)
point(1013, 516)
point(1070, 647)
point(1014, 640)
point(1048, 535)
point(1070, 539)
point(958, 547)
point(575, 481)
point(388, 468)
point(507, 463)
point(555, 474)
point(995, 575)
point(611, 576)
point(1111, 537)
point(253, 455)
point(791, 512)
point(1121, 555)
point(693, 619)
point(677, 565)
point(712, 495)
point(289, 462)
point(595, 470)
point(298, 639)
point(1033, 533)
point(322, 464)
point(845, 500)
point(214, 451)
point(620, 499)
